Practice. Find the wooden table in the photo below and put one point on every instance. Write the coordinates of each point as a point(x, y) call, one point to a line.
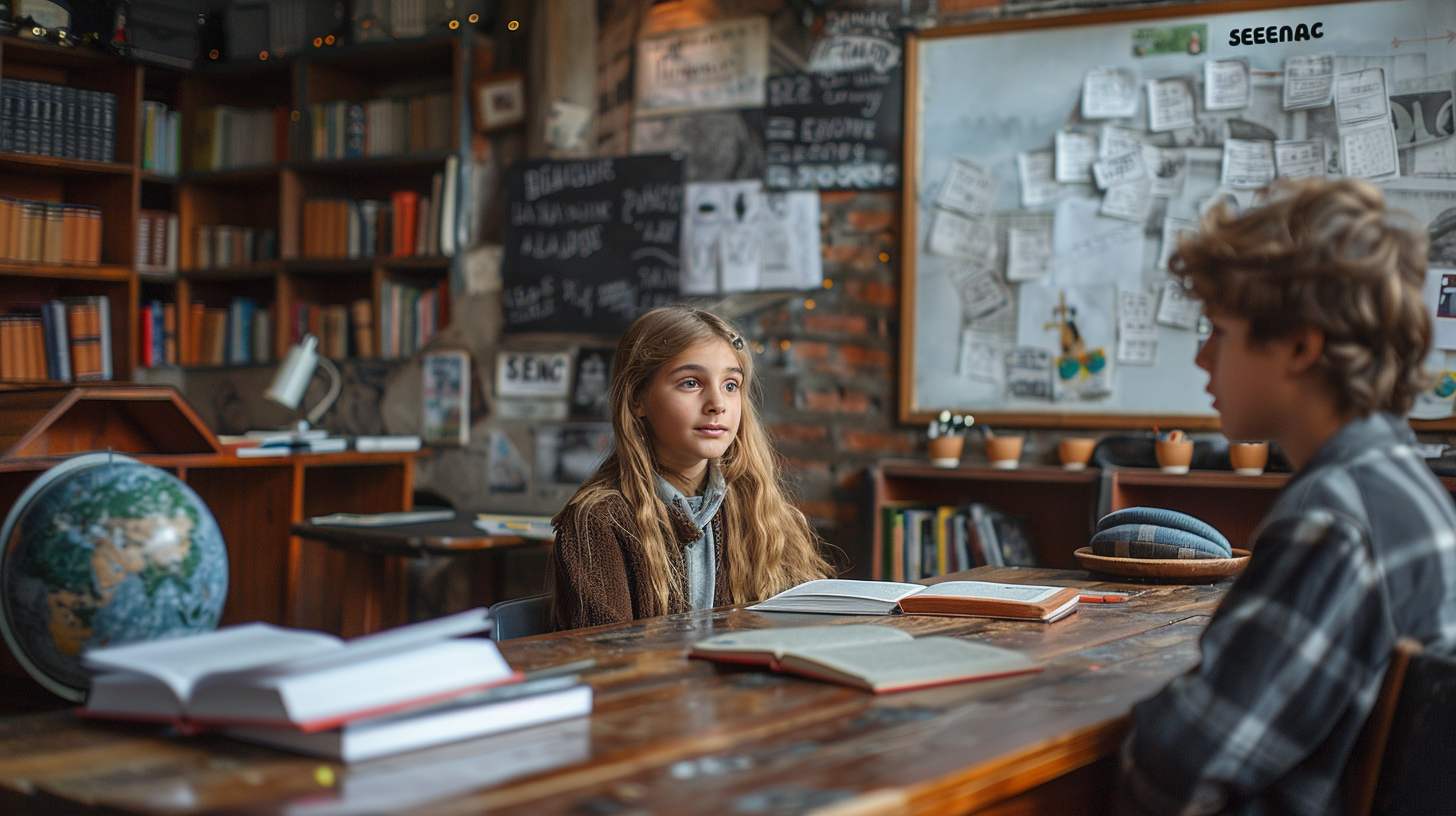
point(372, 557)
point(670, 735)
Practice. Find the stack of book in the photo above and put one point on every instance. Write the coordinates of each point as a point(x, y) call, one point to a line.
point(161, 138)
point(343, 331)
point(49, 232)
point(222, 246)
point(398, 690)
point(57, 120)
point(380, 127)
point(923, 542)
point(409, 316)
point(157, 241)
point(62, 340)
point(229, 138)
point(407, 225)
point(158, 324)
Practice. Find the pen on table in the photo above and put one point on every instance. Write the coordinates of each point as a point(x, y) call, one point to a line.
point(1102, 597)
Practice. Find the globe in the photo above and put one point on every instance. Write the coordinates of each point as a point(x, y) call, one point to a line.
point(103, 550)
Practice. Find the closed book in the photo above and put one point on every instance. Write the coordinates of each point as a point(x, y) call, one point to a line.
point(490, 711)
point(61, 341)
point(388, 444)
point(102, 305)
point(361, 321)
point(263, 335)
point(986, 599)
point(83, 325)
point(836, 596)
point(169, 334)
point(404, 206)
point(148, 340)
point(259, 674)
point(880, 659)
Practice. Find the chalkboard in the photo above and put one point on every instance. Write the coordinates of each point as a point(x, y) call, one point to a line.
point(838, 130)
point(590, 243)
point(982, 99)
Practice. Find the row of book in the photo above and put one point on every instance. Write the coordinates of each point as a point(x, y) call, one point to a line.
point(922, 542)
point(409, 317)
point(407, 225)
point(310, 692)
point(228, 138)
point(343, 331)
point(161, 138)
point(62, 340)
point(238, 334)
point(381, 127)
point(156, 241)
point(49, 232)
point(224, 246)
point(158, 326)
point(47, 119)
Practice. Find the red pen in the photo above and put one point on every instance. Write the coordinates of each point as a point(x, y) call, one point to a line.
point(1103, 597)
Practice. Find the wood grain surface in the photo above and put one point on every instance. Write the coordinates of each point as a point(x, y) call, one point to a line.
point(672, 735)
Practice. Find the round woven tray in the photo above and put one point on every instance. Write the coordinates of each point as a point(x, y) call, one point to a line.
point(1180, 570)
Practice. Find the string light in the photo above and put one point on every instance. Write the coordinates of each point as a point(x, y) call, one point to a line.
point(262, 55)
point(809, 303)
point(513, 25)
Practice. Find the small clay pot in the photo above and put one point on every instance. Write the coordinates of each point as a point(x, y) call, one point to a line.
point(1075, 452)
point(1174, 457)
point(1004, 451)
point(1249, 458)
point(945, 451)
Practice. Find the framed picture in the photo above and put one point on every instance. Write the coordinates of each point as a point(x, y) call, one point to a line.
point(590, 387)
point(569, 454)
point(447, 398)
point(500, 101)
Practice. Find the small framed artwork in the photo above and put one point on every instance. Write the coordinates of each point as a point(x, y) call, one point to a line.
point(590, 388)
point(447, 398)
point(500, 101)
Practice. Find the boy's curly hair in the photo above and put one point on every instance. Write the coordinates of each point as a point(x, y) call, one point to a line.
point(1328, 255)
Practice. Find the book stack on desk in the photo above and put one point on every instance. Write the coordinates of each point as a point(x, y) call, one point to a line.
point(310, 692)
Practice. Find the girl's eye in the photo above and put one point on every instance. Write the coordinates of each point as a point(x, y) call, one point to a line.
point(690, 383)
point(731, 386)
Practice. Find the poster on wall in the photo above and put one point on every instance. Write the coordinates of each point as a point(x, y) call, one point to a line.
point(714, 66)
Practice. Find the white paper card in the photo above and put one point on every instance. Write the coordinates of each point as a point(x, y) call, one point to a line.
point(1090, 249)
point(1109, 93)
point(1369, 151)
point(1247, 163)
point(1308, 81)
point(1360, 96)
point(1225, 84)
point(1028, 373)
point(955, 236)
point(1039, 185)
point(1170, 105)
point(1304, 158)
point(1040, 317)
point(1128, 201)
point(1075, 154)
point(1137, 334)
point(1441, 300)
point(1028, 254)
point(1114, 141)
point(982, 356)
point(713, 210)
point(968, 189)
point(791, 254)
point(1167, 170)
point(1118, 169)
point(1173, 228)
point(1176, 308)
point(981, 291)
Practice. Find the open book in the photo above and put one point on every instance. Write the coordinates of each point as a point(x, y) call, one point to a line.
point(973, 598)
point(985, 599)
point(876, 658)
point(268, 675)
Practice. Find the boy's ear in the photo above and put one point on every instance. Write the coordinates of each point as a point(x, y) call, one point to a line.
point(636, 407)
point(1305, 346)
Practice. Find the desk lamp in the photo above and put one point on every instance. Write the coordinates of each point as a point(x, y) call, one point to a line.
point(296, 373)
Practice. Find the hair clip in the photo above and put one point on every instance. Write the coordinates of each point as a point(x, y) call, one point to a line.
point(737, 342)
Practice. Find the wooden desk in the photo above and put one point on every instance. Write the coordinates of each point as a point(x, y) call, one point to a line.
point(670, 735)
point(373, 555)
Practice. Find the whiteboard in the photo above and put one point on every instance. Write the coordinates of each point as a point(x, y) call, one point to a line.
point(988, 93)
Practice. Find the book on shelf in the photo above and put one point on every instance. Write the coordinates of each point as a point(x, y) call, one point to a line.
point(61, 340)
point(880, 659)
point(49, 232)
point(224, 246)
point(46, 119)
point(158, 324)
point(157, 241)
point(489, 711)
point(409, 316)
point(264, 675)
point(237, 334)
point(982, 599)
point(225, 137)
point(161, 138)
point(921, 541)
point(387, 126)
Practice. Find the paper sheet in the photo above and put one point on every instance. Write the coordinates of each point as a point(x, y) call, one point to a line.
point(1090, 249)
point(982, 356)
point(1225, 84)
point(1176, 308)
point(1441, 300)
point(956, 236)
point(1114, 141)
point(1040, 319)
point(1039, 185)
point(1170, 105)
point(1028, 254)
point(1360, 96)
point(1308, 81)
point(1167, 170)
point(1119, 169)
point(718, 236)
point(1028, 373)
point(791, 254)
point(1300, 159)
point(968, 189)
point(1422, 108)
point(1129, 201)
point(1075, 154)
point(1369, 152)
point(980, 288)
point(505, 470)
point(1247, 163)
point(1137, 334)
point(1172, 229)
point(1109, 93)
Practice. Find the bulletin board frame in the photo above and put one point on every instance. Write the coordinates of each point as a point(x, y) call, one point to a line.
point(912, 408)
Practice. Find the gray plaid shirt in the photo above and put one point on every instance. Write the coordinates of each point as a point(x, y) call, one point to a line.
point(1359, 549)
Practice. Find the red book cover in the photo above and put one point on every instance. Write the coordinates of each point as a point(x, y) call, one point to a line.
point(405, 207)
point(148, 341)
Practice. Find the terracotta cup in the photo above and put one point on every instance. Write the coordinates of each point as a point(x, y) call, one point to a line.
point(1004, 451)
point(1249, 458)
point(1174, 457)
point(945, 451)
point(1076, 452)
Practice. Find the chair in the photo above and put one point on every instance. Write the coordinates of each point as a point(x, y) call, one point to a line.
point(1402, 760)
point(521, 617)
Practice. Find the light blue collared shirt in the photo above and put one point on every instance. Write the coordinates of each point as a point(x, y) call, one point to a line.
point(699, 556)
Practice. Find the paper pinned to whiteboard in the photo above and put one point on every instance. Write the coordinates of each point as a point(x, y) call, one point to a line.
point(1170, 105)
point(1173, 229)
point(1137, 333)
point(1440, 294)
point(956, 236)
point(1114, 141)
point(983, 356)
point(1075, 153)
point(1109, 93)
point(1028, 373)
point(1247, 163)
point(1129, 201)
point(1360, 96)
point(1090, 249)
point(1303, 158)
point(1119, 169)
point(1226, 84)
point(1039, 185)
point(1167, 170)
point(1176, 308)
point(980, 290)
point(1368, 151)
point(968, 189)
point(1309, 81)
point(1028, 254)
point(1044, 311)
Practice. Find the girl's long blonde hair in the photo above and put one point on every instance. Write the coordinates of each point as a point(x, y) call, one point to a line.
point(768, 545)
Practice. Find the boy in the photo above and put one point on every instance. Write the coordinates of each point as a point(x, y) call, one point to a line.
point(1319, 330)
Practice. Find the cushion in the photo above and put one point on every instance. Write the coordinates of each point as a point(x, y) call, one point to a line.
point(1152, 541)
point(1162, 517)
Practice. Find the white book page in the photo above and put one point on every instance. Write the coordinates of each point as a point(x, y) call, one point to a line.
point(380, 644)
point(798, 638)
point(873, 590)
point(181, 662)
point(1024, 593)
point(919, 661)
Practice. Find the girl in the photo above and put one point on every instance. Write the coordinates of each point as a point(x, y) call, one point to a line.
point(687, 511)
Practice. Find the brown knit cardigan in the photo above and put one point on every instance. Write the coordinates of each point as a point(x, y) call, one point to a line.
point(599, 578)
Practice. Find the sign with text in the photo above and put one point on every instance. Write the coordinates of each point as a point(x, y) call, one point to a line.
point(714, 66)
point(834, 131)
point(591, 243)
point(533, 374)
